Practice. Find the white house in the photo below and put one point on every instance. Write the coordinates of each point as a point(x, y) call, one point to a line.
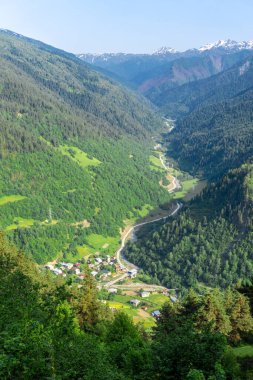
point(132, 273)
point(112, 290)
point(145, 294)
point(57, 271)
point(134, 302)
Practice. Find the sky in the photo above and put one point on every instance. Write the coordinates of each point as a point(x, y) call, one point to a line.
point(136, 26)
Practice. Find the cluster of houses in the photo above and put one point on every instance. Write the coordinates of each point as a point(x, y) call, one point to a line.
point(100, 267)
point(156, 313)
point(103, 267)
point(63, 269)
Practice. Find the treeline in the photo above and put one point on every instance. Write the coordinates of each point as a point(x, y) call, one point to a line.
point(55, 329)
point(208, 244)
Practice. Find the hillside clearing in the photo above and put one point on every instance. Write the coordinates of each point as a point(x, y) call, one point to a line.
point(11, 198)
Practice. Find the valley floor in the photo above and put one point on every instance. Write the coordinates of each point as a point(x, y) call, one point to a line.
point(121, 284)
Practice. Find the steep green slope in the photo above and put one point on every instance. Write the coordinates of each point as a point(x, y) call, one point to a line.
point(71, 147)
point(157, 83)
point(182, 100)
point(217, 135)
point(210, 243)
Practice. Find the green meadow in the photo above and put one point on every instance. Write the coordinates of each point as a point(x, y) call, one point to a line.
point(11, 198)
point(77, 155)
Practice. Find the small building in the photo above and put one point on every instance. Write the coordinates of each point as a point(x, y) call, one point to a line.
point(112, 290)
point(98, 260)
point(67, 265)
point(132, 273)
point(156, 313)
point(49, 266)
point(134, 302)
point(173, 299)
point(145, 294)
point(94, 273)
point(57, 271)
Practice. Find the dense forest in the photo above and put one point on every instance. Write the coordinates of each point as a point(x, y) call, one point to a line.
point(217, 132)
point(71, 149)
point(51, 328)
point(210, 243)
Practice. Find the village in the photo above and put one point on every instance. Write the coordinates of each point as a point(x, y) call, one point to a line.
point(119, 287)
point(119, 283)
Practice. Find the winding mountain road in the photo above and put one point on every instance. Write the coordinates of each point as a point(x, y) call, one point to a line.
point(175, 182)
point(126, 264)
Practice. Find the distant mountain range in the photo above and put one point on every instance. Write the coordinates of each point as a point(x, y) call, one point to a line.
point(225, 45)
point(152, 74)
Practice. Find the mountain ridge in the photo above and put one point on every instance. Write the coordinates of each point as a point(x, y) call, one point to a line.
point(229, 45)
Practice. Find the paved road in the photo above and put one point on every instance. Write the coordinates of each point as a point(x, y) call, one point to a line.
point(126, 264)
point(175, 182)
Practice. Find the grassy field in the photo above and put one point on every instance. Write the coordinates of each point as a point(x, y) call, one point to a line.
point(156, 163)
point(141, 213)
point(20, 223)
point(11, 199)
point(78, 156)
point(99, 243)
point(153, 302)
point(243, 351)
point(186, 186)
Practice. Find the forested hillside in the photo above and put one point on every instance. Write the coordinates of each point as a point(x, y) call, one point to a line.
point(210, 243)
point(229, 83)
point(218, 132)
point(71, 150)
point(51, 328)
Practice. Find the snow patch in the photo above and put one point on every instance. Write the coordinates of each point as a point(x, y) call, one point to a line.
point(228, 45)
point(165, 50)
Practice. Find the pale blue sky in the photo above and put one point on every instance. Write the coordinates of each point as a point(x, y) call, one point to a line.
point(128, 25)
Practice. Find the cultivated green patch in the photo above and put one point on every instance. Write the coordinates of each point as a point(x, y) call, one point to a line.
point(156, 163)
point(243, 351)
point(96, 243)
point(19, 222)
point(11, 198)
point(77, 155)
point(186, 186)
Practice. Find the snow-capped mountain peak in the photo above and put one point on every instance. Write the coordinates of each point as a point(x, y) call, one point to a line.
point(227, 45)
point(165, 50)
